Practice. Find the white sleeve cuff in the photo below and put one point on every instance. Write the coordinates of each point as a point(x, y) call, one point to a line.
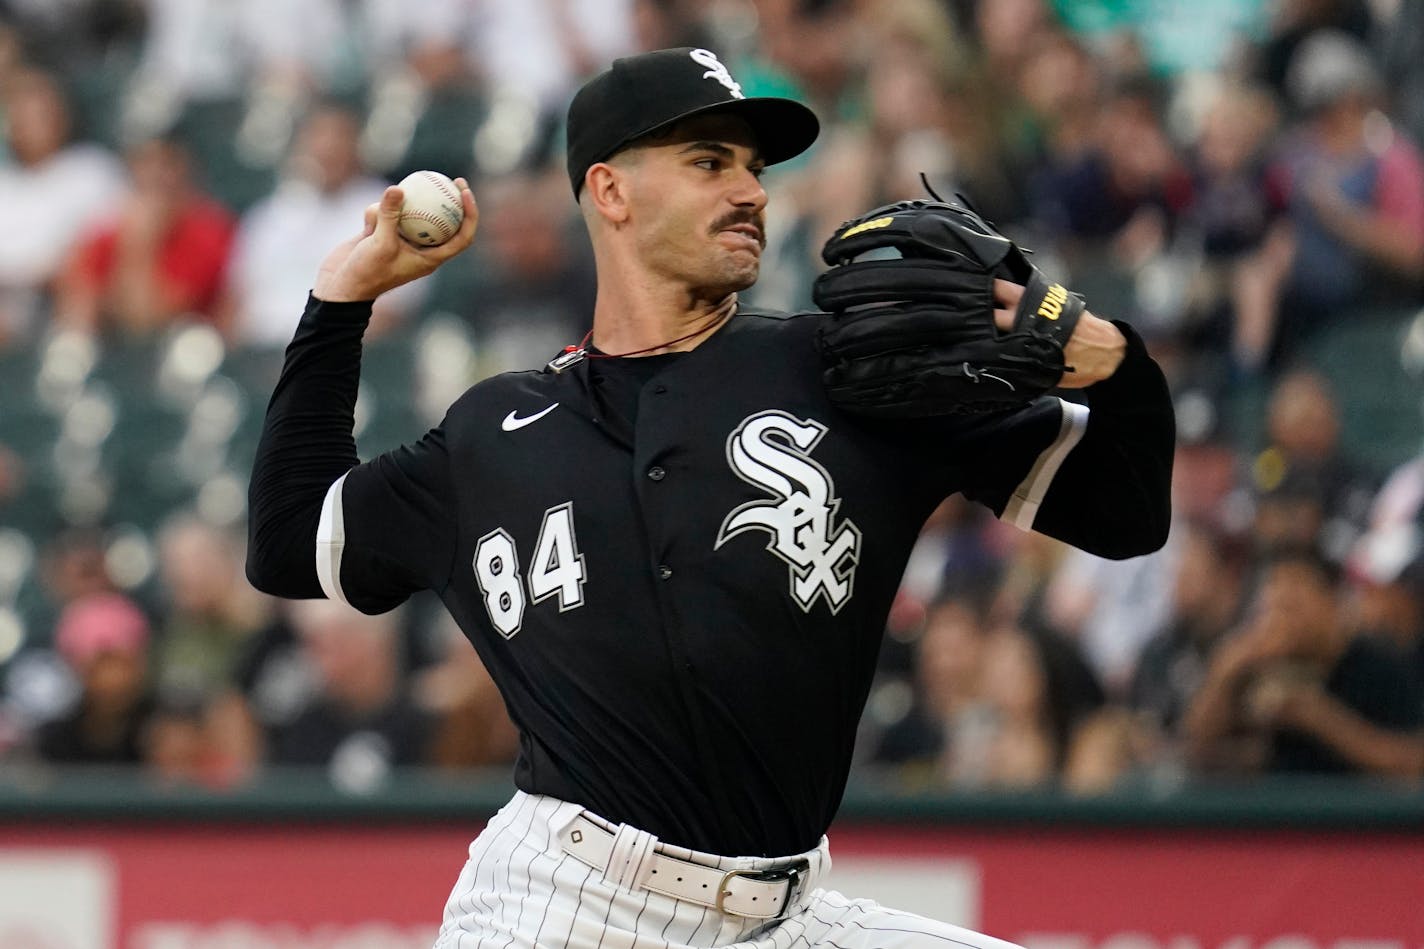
point(1023, 504)
point(330, 542)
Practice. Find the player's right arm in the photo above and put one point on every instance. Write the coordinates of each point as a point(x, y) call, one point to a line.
point(306, 483)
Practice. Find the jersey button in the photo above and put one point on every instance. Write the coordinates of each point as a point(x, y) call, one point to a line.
point(664, 572)
point(657, 472)
point(659, 389)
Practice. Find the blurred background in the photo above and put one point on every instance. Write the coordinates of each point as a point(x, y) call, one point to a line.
point(1240, 180)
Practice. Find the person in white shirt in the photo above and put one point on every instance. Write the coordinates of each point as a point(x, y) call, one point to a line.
point(52, 189)
point(283, 237)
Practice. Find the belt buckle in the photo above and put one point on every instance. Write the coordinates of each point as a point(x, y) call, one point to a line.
point(790, 874)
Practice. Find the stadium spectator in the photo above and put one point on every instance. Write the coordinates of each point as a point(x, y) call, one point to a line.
point(433, 110)
point(1293, 691)
point(1388, 562)
point(1236, 217)
point(1008, 33)
point(1058, 85)
point(104, 637)
point(529, 290)
point(361, 720)
point(211, 619)
point(808, 45)
point(1038, 690)
point(1296, 21)
point(210, 609)
point(1206, 593)
point(1307, 490)
point(1387, 574)
point(73, 566)
point(953, 558)
point(663, 24)
point(1111, 747)
point(281, 239)
point(921, 91)
point(1123, 195)
point(1401, 498)
point(1027, 565)
point(942, 737)
point(1111, 609)
point(1402, 35)
point(1354, 187)
point(268, 55)
point(1207, 466)
point(545, 47)
point(53, 189)
point(161, 260)
point(472, 727)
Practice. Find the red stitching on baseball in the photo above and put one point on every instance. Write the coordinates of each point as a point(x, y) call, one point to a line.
point(439, 182)
point(440, 223)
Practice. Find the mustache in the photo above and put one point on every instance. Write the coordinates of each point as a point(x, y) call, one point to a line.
point(734, 218)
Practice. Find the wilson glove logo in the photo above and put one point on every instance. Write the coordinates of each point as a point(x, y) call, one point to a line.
point(1052, 306)
point(772, 451)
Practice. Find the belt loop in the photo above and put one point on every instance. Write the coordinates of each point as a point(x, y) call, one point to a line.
point(630, 860)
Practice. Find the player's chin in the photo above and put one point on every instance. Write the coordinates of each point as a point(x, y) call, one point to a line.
point(740, 278)
point(740, 270)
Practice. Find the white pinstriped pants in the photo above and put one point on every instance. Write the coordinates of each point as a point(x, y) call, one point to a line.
point(520, 890)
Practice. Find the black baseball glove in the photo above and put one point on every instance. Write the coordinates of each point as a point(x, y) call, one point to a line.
point(915, 336)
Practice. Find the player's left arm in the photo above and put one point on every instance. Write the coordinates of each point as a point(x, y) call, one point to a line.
point(1111, 496)
point(1095, 474)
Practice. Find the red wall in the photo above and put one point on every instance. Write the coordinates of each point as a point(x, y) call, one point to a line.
point(285, 887)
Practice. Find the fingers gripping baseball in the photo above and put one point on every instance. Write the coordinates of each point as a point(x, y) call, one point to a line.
point(379, 259)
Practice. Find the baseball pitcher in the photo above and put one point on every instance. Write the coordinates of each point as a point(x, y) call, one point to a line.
point(675, 546)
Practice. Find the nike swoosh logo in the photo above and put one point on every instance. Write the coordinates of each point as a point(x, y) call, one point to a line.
point(513, 422)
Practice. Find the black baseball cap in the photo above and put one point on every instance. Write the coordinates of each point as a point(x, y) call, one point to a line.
point(641, 94)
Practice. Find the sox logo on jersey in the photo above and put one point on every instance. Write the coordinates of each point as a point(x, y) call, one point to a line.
point(772, 450)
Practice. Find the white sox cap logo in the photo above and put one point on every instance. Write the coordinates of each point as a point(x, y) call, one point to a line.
point(715, 70)
point(772, 451)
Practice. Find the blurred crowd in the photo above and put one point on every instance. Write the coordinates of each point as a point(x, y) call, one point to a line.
point(1237, 179)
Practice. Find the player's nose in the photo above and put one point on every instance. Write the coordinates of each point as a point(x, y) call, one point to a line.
point(748, 191)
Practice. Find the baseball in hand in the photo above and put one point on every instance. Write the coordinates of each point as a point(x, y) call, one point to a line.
point(431, 213)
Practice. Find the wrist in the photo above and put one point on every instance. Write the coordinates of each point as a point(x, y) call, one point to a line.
point(344, 310)
point(324, 295)
point(1095, 351)
point(332, 288)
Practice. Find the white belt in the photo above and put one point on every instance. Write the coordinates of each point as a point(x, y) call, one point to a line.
point(755, 894)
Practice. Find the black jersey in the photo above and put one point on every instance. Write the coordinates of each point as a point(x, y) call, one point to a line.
point(681, 605)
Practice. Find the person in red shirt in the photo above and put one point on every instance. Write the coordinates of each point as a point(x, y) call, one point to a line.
point(161, 259)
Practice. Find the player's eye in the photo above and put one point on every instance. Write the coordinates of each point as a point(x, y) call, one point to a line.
point(757, 170)
point(710, 164)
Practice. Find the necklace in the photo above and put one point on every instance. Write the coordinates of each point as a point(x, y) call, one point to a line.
point(582, 347)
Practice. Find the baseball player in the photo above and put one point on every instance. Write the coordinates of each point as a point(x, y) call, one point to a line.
point(675, 546)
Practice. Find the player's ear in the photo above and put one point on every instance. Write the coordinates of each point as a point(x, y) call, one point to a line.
point(607, 190)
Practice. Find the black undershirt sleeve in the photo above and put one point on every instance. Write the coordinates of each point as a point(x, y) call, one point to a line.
point(1109, 491)
point(1113, 494)
point(306, 444)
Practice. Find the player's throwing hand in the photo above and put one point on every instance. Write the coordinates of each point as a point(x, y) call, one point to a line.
point(379, 259)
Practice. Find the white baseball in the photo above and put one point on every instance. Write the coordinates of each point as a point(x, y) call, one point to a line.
point(431, 212)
